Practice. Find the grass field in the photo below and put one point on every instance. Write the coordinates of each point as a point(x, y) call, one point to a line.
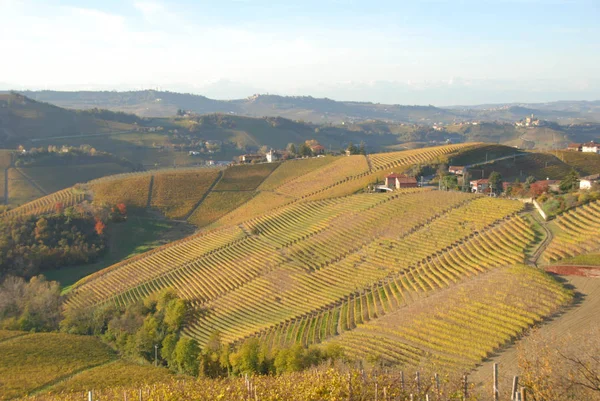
point(584, 163)
point(30, 362)
point(245, 177)
point(55, 178)
point(591, 259)
point(217, 204)
point(20, 189)
point(6, 334)
point(133, 191)
point(140, 233)
point(175, 194)
point(116, 374)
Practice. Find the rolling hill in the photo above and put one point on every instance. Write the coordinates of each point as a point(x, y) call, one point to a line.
point(297, 253)
point(150, 103)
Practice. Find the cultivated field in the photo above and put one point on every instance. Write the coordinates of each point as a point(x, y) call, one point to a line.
point(132, 190)
point(218, 204)
point(292, 169)
point(245, 177)
point(48, 204)
point(576, 232)
point(175, 194)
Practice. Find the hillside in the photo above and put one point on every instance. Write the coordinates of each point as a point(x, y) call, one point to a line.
point(297, 254)
point(22, 119)
point(150, 103)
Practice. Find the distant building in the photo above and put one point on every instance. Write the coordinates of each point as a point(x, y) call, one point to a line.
point(273, 156)
point(458, 170)
point(574, 147)
point(251, 158)
point(590, 147)
point(530, 122)
point(587, 182)
point(480, 186)
point(194, 153)
point(317, 149)
point(543, 186)
point(399, 181)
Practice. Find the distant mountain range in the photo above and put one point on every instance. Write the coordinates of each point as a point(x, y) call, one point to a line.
point(151, 103)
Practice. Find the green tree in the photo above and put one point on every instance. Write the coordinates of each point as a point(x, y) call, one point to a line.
point(362, 149)
point(167, 351)
point(495, 181)
point(305, 150)
point(175, 312)
point(449, 182)
point(185, 356)
point(570, 182)
point(247, 358)
point(352, 149)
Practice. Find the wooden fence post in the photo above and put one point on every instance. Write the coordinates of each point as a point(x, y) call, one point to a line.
point(141, 397)
point(349, 387)
point(402, 380)
point(523, 394)
point(496, 392)
point(466, 387)
point(437, 385)
point(418, 380)
point(90, 396)
point(515, 385)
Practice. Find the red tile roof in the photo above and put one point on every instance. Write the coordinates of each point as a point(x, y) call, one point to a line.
point(407, 180)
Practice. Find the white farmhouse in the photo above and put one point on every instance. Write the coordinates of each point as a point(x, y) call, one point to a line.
point(591, 147)
point(587, 182)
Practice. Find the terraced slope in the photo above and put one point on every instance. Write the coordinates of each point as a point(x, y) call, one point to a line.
point(577, 231)
point(252, 277)
point(337, 260)
point(48, 204)
point(496, 247)
point(456, 328)
point(386, 161)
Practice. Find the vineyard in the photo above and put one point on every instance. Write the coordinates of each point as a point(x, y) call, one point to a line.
point(132, 190)
point(386, 161)
point(456, 328)
point(176, 194)
point(47, 204)
point(576, 232)
point(248, 279)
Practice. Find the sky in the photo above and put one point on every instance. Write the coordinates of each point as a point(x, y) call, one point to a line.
point(401, 52)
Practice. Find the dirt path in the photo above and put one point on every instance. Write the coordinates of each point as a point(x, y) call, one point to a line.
point(533, 260)
point(149, 201)
point(579, 318)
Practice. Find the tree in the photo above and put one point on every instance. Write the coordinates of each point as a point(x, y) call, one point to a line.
point(495, 181)
point(99, 226)
point(570, 182)
point(291, 148)
point(449, 182)
point(352, 149)
point(362, 149)
point(185, 356)
point(305, 150)
point(175, 314)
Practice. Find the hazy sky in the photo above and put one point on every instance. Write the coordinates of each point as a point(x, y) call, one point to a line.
point(438, 52)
